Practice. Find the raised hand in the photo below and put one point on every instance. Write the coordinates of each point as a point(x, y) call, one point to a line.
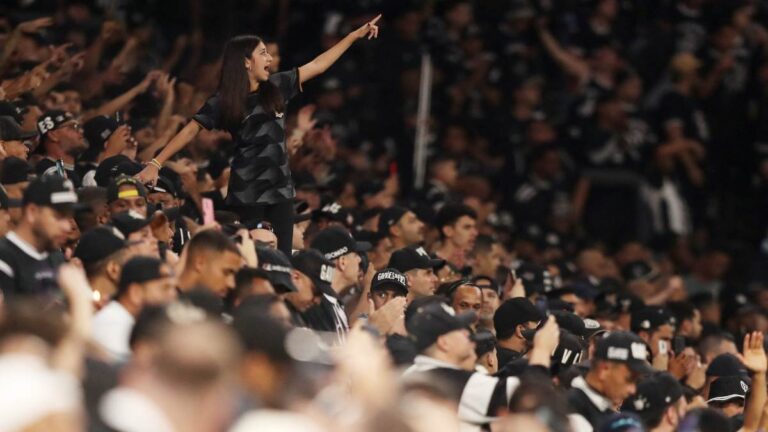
point(35, 25)
point(148, 175)
point(305, 121)
point(369, 29)
point(753, 353)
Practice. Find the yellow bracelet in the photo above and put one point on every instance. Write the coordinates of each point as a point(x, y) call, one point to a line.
point(156, 163)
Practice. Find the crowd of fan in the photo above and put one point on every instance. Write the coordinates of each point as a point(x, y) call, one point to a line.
point(587, 252)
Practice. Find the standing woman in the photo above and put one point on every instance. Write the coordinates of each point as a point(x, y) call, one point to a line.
point(250, 104)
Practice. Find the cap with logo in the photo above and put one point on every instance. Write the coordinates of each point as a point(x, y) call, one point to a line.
point(51, 120)
point(729, 389)
point(654, 394)
point(390, 216)
point(568, 352)
point(335, 242)
point(14, 171)
point(129, 222)
point(411, 258)
point(389, 279)
point(314, 265)
point(14, 111)
point(10, 130)
point(650, 318)
point(114, 193)
point(334, 212)
point(433, 320)
point(536, 279)
point(51, 191)
point(512, 313)
point(99, 243)
point(624, 347)
point(278, 267)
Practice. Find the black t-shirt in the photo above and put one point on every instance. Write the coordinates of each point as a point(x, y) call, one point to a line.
point(48, 167)
point(260, 172)
point(24, 271)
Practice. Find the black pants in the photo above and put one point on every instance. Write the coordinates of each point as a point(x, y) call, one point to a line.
point(280, 215)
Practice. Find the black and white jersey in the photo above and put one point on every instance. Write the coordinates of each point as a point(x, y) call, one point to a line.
point(480, 397)
point(24, 270)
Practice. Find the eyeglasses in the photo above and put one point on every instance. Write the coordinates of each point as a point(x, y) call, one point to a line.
point(74, 125)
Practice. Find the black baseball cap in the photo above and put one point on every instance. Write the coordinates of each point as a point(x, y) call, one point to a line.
point(278, 267)
point(389, 278)
point(730, 388)
point(512, 313)
point(568, 352)
point(10, 130)
point(654, 394)
point(115, 166)
point(98, 130)
point(650, 318)
point(51, 120)
point(570, 322)
point(139, 269)
point(99, 243)
point(51, 191)
point(164, 185)
point(433, 320)
point(334, 212)
point(487, 282)
point(536, 279)
point(128, 222)
point(624, 347)
point(114, 193)
point(314, 265)
point(726, 365)
point(390, 216)
point(15, 170)
point(14, 111)
point(335, 242)
point(7, 203)
point(410, 258)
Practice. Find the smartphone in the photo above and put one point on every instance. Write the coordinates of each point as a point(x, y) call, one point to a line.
point(663, 347)
point(678, 344)
point(207, 211)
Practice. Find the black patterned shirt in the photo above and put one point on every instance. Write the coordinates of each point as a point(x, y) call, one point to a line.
point(260, 172)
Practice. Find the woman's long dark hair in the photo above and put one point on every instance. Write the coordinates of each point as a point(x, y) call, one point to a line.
point(234, 85)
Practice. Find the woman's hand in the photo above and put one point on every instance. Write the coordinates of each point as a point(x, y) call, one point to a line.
point(369, 29)
point(148, 175)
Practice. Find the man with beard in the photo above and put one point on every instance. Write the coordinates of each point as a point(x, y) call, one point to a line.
point(62, 139)
point(29, 255)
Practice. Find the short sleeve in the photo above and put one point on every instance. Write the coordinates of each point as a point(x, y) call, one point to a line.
point(288, 83)
point(209, 114)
